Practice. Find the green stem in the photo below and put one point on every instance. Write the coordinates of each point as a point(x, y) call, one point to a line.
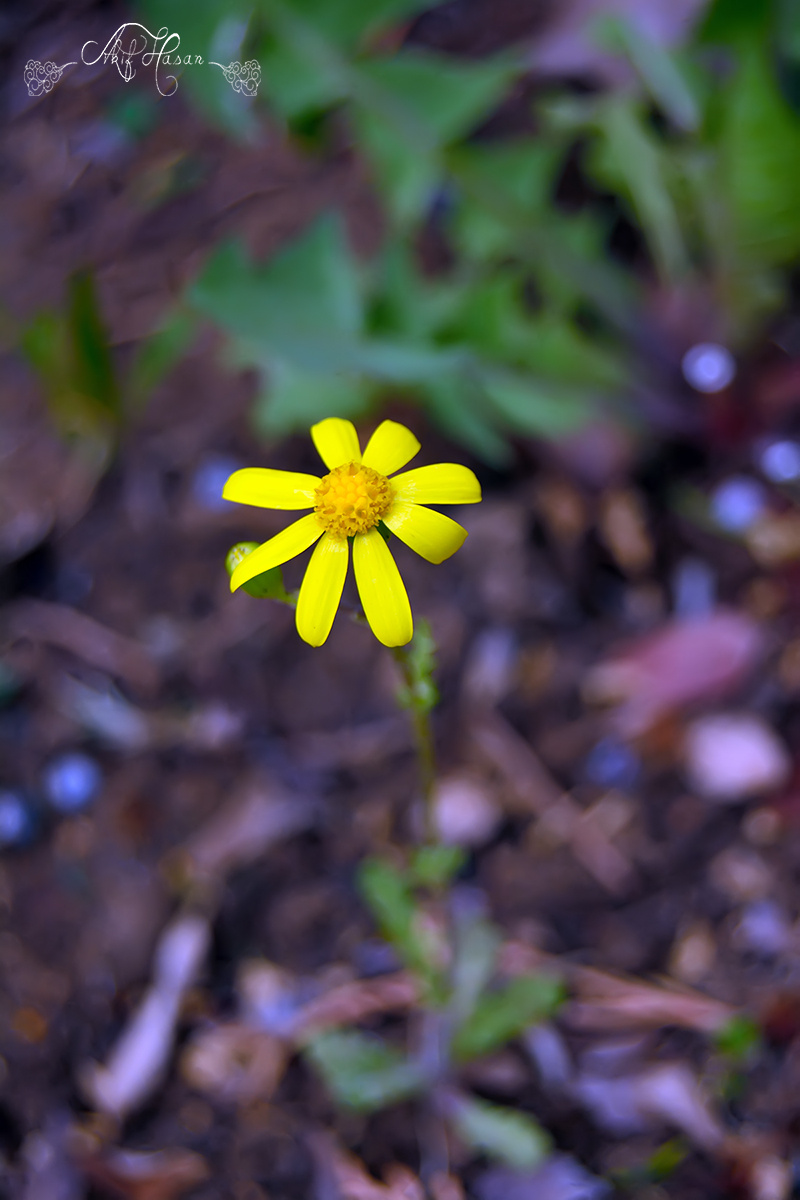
point(423, 739)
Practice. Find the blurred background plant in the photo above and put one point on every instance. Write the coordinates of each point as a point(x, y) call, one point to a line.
point(547, 251)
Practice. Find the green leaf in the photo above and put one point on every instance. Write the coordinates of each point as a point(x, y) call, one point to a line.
point(510, 1136)
point(307, 293)
point(788, 39)
point(406, 362)
point(739, 1039)
point(409, 107)
point(71, 354)
point(733, 21)
point(289, 84)
point(387, 892)
point(759, 145)
point(91, 353)
point(349, 22)
point(297, 319)
point(658, 70)
point(362, 1072)
point(404, 303)
point(407, 176)
point(444, 96)
point(158, 354)
point(629, 160)
point(217, 32)
point(519, 173)
point(266, 586)
point(436, 866)
point(418, 690)
point(476, 948)
point(458, 407)
point(502, 1015)
point(297, 399)
point(534, 406)
point(666, 1160)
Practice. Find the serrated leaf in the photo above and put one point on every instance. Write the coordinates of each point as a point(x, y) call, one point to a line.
point(502, 1015)
point(505, 1134)
point(362, 1072)
point(409, 108)
point(445, 96)
point(308, 292)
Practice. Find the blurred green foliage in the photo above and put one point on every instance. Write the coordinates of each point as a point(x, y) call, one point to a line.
point(467, 1013)
point(363, 1072)
point(532, 327)
point(506, 1134)
point(89, 400)
point(69, 350)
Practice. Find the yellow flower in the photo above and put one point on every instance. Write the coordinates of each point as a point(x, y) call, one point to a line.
point(349, 502)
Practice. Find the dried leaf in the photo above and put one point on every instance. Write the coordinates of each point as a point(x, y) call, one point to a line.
point(683, 663)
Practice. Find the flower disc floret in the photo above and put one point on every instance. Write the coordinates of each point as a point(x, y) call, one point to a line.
point(352, 499)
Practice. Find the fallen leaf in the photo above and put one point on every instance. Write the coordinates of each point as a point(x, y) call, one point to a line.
point(682, 664)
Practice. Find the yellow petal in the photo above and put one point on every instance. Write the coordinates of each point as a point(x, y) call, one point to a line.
point(381, 589)
point(442, 483)
point(271, 489)
point(390, 448)
point(321, 589)
point(285, 545)
point(429, 533)
point(336, 441)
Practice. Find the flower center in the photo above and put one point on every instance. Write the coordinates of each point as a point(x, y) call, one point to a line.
point(352, 499)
